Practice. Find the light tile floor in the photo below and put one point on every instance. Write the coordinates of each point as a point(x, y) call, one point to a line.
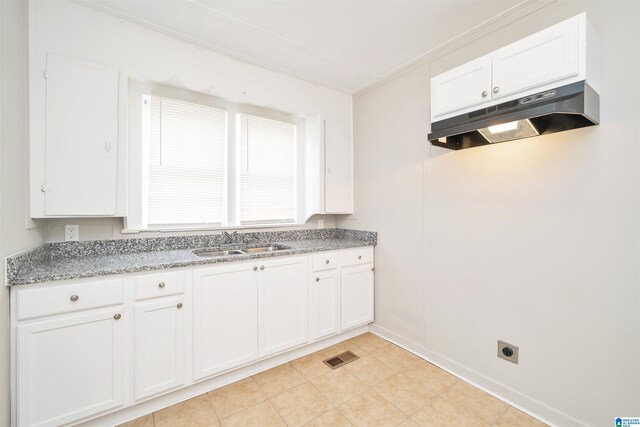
point(387, 386)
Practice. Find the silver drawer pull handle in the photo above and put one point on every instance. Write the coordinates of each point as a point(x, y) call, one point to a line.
point(484, 93)
point(117, 316)
point(317, 279)
point(496, 89)
point(179, 305)
point(74, 298)
point(262, 267)
point(326, 262)
point(359, 256)
point(255, 268)
point(161, 285)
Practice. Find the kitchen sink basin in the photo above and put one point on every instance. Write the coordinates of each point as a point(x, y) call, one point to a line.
point(218, 252)
point(271, 248)
point(215, 253)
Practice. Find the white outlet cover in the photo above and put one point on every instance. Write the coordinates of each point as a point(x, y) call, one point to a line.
point(71, 233)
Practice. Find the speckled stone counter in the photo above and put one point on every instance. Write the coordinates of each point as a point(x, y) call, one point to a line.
point(72, 260)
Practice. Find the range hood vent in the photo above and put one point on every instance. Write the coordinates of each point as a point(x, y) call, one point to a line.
point(567, 107)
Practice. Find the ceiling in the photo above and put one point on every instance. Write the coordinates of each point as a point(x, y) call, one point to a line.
point(342, 44)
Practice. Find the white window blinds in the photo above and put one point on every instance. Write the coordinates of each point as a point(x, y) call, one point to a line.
point(186, 170)
point(267, 171)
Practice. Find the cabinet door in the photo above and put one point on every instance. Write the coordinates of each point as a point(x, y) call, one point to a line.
point(338, 168)
point(225, 323)
point(356, 289)
point(544, 57)
point(283, 304)
point(325, 304)
point(70, 367)
point(81, 138)
point(159, 347)
point(463, 87)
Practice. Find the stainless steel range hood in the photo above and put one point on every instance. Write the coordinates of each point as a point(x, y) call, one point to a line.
point(567, 107)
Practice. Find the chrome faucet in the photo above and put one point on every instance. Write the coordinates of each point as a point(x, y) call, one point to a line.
point(229, 239)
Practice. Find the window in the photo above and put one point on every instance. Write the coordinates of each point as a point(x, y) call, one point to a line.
point(267, 173)
point(186, 174)
point(202, 162)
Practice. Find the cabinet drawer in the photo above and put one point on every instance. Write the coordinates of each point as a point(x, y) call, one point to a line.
point(356, 256)
point(159, 285)
point(325, 261)
point(65, 299)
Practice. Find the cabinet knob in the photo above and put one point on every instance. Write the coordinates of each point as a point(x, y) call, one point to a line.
point(255, 268)
point(161, 285)
point(74, 298)
point(373, 269)
point(496, 89)
point(326, 262)
point(359, 256)
point(262, 267)
point(317, 279)
point(117, 316)
point(179, 305)
point(484, 93)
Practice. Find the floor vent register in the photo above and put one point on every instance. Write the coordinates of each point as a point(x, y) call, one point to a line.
point(340, 360)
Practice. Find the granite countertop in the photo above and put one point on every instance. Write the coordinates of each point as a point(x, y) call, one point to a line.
point(72, 260)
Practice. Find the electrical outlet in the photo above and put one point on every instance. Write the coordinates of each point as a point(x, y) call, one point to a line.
point(71, 233)
point(320, 223)
point(508, 352)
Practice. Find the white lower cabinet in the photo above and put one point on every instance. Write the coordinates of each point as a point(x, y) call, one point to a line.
point(325, 304)
point(282, 304)
point(70, 367)
point(247, 311)
point(71, 357)
point(159, 343)
point(356, 288)
point(225, 318)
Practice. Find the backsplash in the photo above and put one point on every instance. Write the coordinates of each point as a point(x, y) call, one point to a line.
point(111, 228)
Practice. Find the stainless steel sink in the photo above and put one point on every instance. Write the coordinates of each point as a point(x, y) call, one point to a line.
point(271, 248)
point(218, 252)
point(215, 253)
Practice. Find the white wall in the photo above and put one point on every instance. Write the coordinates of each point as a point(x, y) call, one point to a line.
point(389, 133)
point(71, 29)
point(535, 242)
point(14, 235)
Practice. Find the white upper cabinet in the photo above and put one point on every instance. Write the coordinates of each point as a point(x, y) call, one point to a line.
point(338, 168)
point(465, 86)
point(328, 167)
point(547, 56)
point(556, 56)
point(81, 139)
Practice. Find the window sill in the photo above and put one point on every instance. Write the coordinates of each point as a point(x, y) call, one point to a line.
point(205, 228)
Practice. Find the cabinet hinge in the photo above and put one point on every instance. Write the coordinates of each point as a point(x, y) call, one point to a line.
point(44, 188)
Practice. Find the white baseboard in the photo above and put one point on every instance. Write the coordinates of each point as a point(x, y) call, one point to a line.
point(172, 398)
point(526, 404)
